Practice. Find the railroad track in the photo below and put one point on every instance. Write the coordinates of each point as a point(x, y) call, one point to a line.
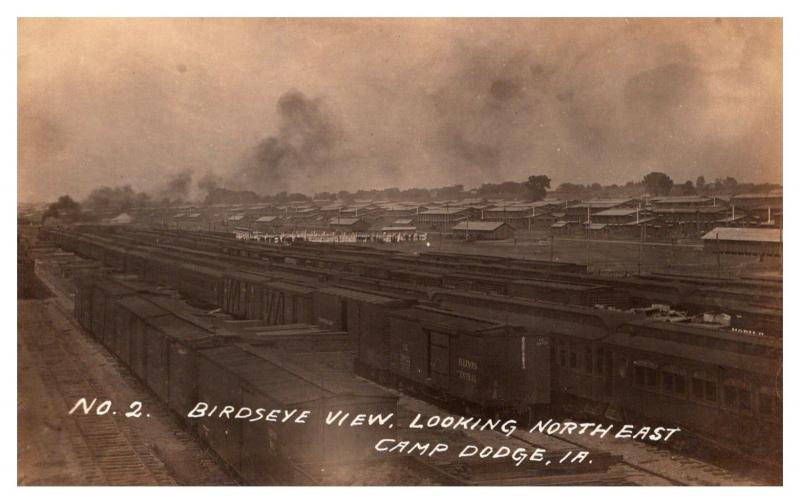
point(205, 468)
point(633, 466)
point(634, 469)
point(695, 472)
point(107, 452)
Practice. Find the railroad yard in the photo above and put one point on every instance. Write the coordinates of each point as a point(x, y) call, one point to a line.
point(334, 316)
point(604, 256)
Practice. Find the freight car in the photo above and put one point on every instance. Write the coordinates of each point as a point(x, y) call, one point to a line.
point(253, 377)
point(352, 311)
point(469, 363)
point(627, 292)
point(582, 294)
point(186, 361)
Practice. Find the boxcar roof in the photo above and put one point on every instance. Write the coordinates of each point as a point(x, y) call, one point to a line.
point(359, 295)
point(282, 381)
point(448, 320)
point(290, 287)
point(113, 287)
point(539, 308)
point(247, 275)
point(141, 307)
point(560, 285)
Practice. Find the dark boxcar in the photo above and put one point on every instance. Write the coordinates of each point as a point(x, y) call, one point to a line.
point(160, 331)
point(583, 294)
point(573, 329)
point(415, 277)
point(173, 337)
point(284, 303)
point(136, 261)
point(104, 295)
point(162, 270)
point(467, 360)
point(217, 384)
point(353, 311)
point(200, 284)
point(258, 378)
point(242, 293)
point(475, 283)
point(183, 378)
point(83, 301)
point(115, 257)
point(136, 313)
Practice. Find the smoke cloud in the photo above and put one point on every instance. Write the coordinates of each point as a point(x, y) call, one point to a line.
point(325, 105)
point(177, 188)
point(307, 146)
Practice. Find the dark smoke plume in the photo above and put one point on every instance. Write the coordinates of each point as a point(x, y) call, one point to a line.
point(210, 181)
point(113, 201)
point(65, 208)
point(308, 144)
point(178, 187)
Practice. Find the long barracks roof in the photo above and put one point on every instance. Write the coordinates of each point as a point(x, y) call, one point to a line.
point(711, 209)
point(399, 228)
point(443, 211)
point(757, 196)
point(601, 203)
point(478, 226)
point(745, 234)
point(343, 221)
point(617, 212)
point(680, 199)
point(509, 209)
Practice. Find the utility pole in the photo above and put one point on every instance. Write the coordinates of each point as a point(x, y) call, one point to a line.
point(719, 260)
point(780, 243)
point(588, 231)
point(641, 247)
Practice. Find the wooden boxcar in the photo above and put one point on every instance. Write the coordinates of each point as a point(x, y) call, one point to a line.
point(472, 362)
point(201, 284)
point(244, 375)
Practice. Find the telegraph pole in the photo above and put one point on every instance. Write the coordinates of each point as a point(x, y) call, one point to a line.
point(641, 247)
point(588, 233)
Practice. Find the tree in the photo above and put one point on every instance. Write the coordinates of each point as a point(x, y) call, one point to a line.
point(700, 184)
point(687, 189)
point(657, 183)
point(537, 186)
point(730, 184)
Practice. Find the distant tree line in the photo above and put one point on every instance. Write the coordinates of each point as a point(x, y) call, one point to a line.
point(114, 200)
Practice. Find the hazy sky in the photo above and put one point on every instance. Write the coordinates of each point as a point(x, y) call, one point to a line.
point(312, 105)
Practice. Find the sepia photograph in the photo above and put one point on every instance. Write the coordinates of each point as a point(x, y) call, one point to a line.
point(430, 251)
